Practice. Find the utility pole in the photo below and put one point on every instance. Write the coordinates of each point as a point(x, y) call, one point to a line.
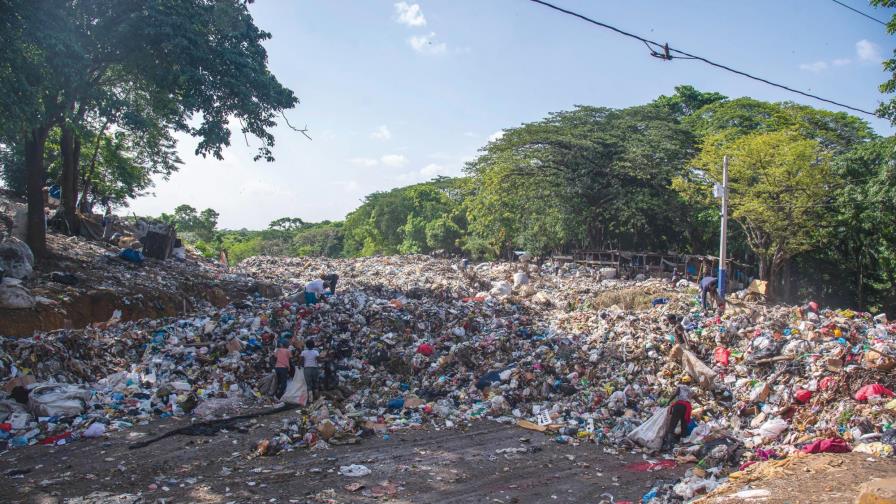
point(723, 245)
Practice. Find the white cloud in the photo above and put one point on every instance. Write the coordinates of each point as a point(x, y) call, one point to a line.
point(841, 62)
point(867, 50)
point(431, 170)
point(469, 134)
point(367, 162)
point(816, 67)
point(395, 160)
point(409, 14)
point(496, 136)
point(381, 133)
point(427, 44)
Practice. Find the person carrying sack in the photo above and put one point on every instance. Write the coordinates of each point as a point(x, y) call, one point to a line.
point(680, 415)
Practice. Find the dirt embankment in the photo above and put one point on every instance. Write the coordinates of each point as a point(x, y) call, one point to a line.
point(97, 305)
point(82, 282)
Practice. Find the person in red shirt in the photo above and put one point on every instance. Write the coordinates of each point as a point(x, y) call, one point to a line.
point(680, 411)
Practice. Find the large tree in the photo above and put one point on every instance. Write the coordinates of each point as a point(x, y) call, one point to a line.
point(189, 65)
point(778, 184)
point(586, 178)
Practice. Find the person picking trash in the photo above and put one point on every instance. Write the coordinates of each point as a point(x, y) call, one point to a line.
point(330, 280)
point(310, 368)
point(314, 291)
point(679, 416)
point(709, 288)
point(681, 337)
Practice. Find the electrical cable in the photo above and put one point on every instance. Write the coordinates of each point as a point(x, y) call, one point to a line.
point(857, 11)
point(669, 50)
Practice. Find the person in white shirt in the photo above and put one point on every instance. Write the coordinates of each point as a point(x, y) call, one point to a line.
point(314, 291)
point(310, 369)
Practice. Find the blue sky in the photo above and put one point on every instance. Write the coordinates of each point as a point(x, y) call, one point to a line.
point(397, 93)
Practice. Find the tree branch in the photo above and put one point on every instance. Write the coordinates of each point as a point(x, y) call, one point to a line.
point(302, 131)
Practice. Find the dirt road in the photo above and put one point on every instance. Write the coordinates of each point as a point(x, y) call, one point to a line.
point(446, 466)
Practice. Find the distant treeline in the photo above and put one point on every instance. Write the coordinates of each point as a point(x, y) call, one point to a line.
point(812, 196)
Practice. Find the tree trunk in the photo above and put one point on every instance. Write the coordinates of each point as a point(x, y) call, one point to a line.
point(36, 177)
point(90, 170)
point(70, 148)
point(861, 290)
point(763, 268)
point(787, 281)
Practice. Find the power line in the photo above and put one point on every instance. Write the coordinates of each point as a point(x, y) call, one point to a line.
point(857, 11)
point(663, 51)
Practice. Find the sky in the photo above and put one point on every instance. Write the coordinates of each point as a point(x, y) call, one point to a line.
point(395, 93)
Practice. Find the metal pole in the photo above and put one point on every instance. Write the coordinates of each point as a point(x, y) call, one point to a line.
point(723, 273)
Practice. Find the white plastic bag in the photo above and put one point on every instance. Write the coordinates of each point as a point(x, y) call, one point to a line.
point(354, 470)
point(296, 390)
point(58, 400)
point(14, 296)
point(773, 428)
point(650, 434)
point(500, 289)
point(95, 430)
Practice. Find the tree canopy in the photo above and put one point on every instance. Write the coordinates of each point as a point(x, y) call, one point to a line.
point(144, 68)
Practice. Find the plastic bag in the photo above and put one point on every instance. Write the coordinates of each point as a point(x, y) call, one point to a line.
point(58, 400)
point(650, 434)
point(354, 470)
point(296, 390)
point(721, 355)
point(773, 428)
point(702, 374)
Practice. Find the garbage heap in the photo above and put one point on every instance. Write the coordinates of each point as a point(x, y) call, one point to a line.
point(414, 341)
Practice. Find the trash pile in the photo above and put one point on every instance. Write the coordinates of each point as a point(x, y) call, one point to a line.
point(413, 342)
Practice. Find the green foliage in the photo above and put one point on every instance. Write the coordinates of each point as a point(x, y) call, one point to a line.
point(146, 68)
point(586, 178)
point(402, 220)
point(855, 262)
point(12, 167)
point(190, 222)
point(888, 109)
point(813, 196)
point(778, 182)
point(241, 246)
point(323, 239)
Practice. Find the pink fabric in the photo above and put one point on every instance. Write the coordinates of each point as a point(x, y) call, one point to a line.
point(830, 445)
point(872, 391)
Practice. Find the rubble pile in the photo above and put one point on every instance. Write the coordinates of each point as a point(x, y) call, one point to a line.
point(413, 342)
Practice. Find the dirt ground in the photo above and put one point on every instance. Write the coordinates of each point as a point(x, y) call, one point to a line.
point(427, 465)
point(827, 478)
